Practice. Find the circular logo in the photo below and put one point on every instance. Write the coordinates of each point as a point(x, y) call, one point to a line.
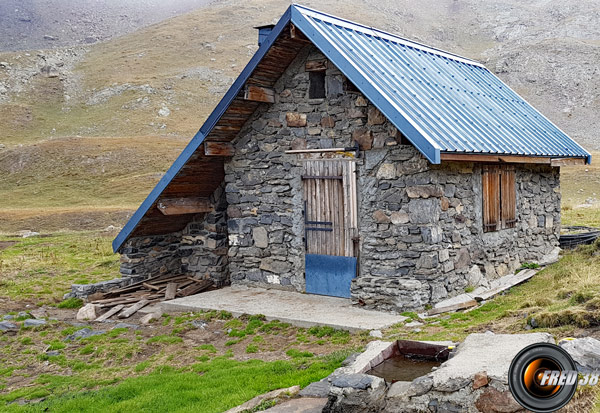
point(542, 377)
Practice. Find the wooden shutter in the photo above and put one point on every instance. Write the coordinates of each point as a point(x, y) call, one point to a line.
point(491, 197)
point(508, 196)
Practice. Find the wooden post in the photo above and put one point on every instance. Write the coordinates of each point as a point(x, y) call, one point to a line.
point(180, 206)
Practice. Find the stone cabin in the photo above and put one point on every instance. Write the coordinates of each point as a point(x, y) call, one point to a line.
point(350, 162)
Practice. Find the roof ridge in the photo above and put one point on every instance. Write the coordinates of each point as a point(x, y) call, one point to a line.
point(393, 37)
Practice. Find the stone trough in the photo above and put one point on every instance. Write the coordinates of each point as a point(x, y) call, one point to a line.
point(471, 377)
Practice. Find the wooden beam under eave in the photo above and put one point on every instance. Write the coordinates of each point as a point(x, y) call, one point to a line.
point(212, 148)
point(567, 161)
point(494, 158)
point(296, 34)
point(181, 206)
point(259, 94)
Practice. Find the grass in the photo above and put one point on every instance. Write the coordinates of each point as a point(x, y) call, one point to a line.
point(561, 298)
point(212, 386)
point(43, 268)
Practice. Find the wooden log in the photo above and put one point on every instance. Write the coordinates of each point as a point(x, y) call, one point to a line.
point(259, 94)
point(110, 313)
point(171, 291)
point(180, 206)
point(453, 307)
point(128, 312)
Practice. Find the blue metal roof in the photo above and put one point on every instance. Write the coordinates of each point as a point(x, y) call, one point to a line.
point(440, 101)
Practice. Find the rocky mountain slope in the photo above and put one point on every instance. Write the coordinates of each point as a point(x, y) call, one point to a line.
point(42, 24)
point(163, 80)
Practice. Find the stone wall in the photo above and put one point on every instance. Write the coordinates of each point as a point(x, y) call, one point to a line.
point(200, 250)
point(203, 248)
point(422, 234)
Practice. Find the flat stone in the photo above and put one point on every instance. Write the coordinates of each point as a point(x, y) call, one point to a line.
point(83, 333)
point(126, 325)
point(316, 389)
point(399, 217)
point(250, 405)
point(8, 317)
point(302, 405)
point(33, 323)
point(480, 379)
point(380, 217)
point(399, 390)
point(494, 401)
point(424, 191)
point(473, 356)
point(375, 117)
point(261, 237)
point(295, 120)
point(420, 385)
point(53, 353)
point(386, 171)
point(355, 381)
point(8, 326)
point(364, 137)
point(376, 333)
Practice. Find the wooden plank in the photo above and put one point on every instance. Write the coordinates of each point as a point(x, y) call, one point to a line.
point(259, 94)
point(490, 179)
point(508, 197)
point(218, 149)
point(448, 156)
point(171, 291)
point(128, 312)
point(453, 307)
point(180, 206)
point(518, 278)
point(151, 287)
point(567, 161)
point(194, 288)
point(110, 313)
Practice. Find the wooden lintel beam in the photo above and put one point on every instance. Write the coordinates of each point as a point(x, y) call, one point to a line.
point(212, 148)
point(296, 34)
point(567, 161)
point(494, 158)
point(180, 206)
point(259, 94)
point(316, 65)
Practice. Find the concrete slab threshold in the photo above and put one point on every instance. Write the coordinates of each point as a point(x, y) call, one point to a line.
point(302, 310)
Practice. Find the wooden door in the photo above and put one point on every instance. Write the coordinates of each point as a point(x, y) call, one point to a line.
point(330, 223)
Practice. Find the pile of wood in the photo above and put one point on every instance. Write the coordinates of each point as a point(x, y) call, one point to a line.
point(152, 290)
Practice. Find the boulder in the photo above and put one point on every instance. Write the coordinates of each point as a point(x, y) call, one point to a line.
point(88, 312)
point(585, 352)
point(494, 401)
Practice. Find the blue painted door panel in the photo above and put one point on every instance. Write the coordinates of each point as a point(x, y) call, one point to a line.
point(329, 274)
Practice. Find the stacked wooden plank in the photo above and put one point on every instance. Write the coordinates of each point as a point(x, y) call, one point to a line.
point(128, 300)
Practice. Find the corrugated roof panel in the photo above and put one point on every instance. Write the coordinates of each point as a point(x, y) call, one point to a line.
point(449, 103)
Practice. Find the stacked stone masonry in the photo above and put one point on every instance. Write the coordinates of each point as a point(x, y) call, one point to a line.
point(420, 225)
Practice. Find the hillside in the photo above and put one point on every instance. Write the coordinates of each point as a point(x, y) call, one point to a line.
point(150, 90)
